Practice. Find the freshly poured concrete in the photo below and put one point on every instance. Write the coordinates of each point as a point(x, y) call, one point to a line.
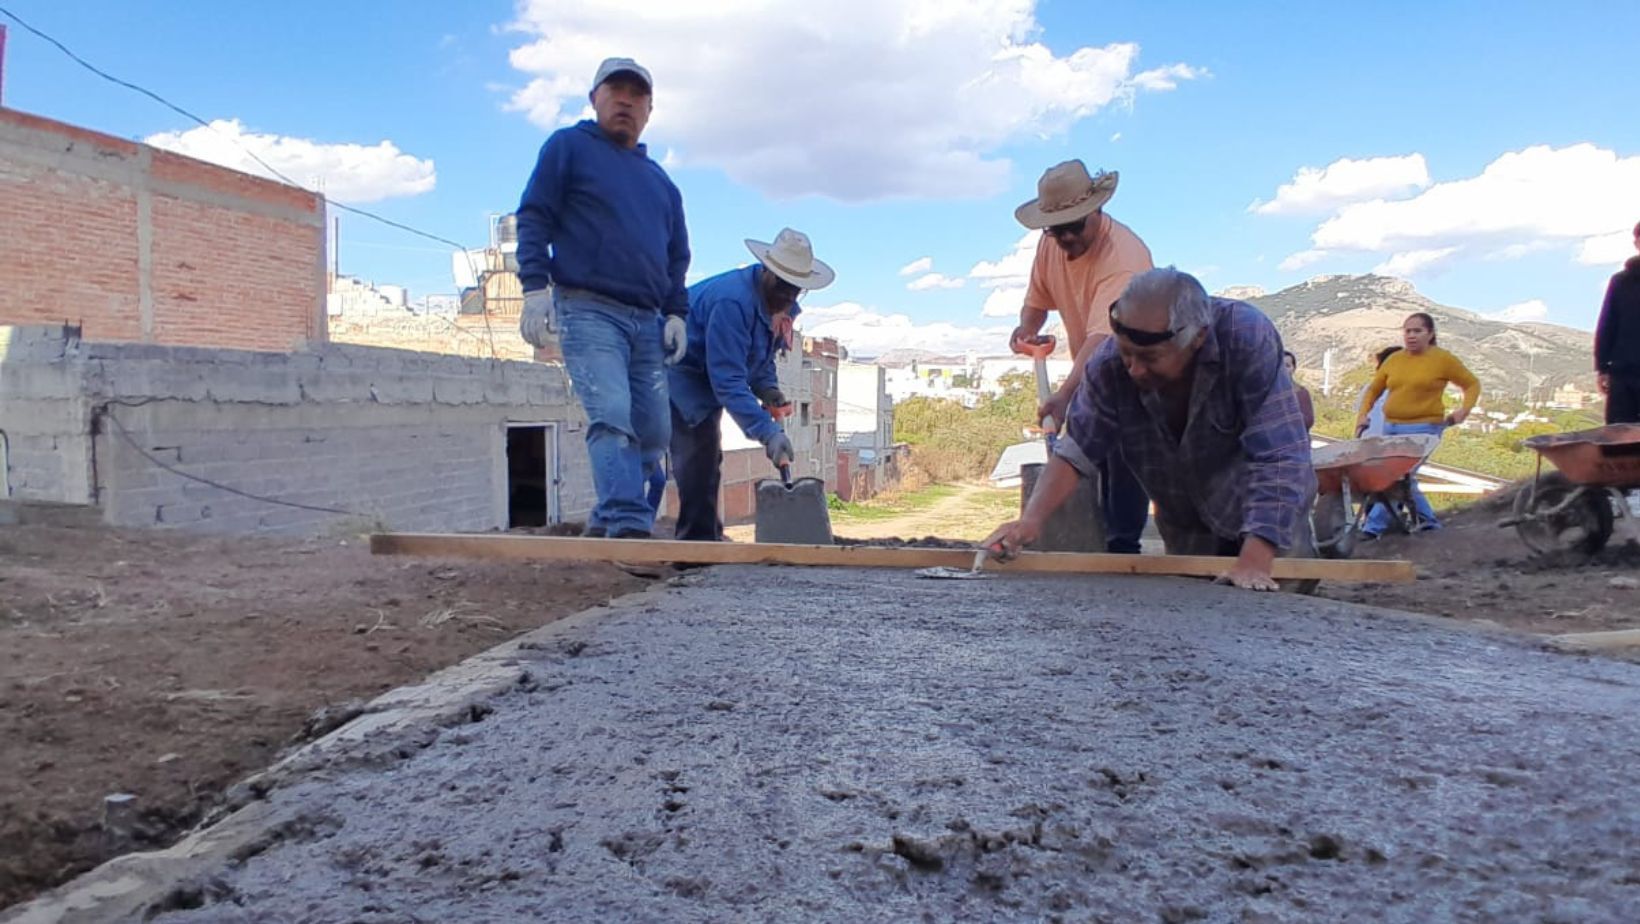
point(830, 745)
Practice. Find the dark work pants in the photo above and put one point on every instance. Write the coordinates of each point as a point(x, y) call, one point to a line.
point(1127, 506)
point(697, 469)
point(1623, 399)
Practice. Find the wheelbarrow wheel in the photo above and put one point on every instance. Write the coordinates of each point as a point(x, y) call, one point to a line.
point(1335, 533)
point(1551, 520)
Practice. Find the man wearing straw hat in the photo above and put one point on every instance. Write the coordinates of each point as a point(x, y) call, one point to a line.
point(738, 321)
point(602, 254)
point(1083, 262)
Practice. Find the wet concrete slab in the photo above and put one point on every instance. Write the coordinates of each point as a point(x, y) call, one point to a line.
point(831, 745)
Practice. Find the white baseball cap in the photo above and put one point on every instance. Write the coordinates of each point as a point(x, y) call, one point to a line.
point(613, 66)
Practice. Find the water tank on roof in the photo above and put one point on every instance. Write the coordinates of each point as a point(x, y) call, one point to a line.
point(506, 233)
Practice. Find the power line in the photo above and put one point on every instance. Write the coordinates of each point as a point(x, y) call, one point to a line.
point(144, 91)
point(161, 463)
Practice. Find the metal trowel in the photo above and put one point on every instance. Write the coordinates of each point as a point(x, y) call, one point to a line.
point(944, 573)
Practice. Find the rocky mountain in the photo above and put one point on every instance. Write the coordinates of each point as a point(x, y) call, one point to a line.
point(1355, 316)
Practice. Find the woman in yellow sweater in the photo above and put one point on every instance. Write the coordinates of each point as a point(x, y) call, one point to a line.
point(1416, 378)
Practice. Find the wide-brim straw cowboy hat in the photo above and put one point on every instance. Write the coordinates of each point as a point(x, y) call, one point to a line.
point(791, 257)
point(1066, 193)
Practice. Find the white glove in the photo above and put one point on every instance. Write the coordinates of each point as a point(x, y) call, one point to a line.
point(675, 338)
point(538, 323)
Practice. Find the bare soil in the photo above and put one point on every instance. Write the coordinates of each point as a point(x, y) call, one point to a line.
point(169, 667)
point(1475, 570)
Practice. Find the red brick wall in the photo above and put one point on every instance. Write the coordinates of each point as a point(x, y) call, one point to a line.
point(136, 244)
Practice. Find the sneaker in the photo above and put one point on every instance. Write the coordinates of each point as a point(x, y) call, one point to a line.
point(1368, 537)
point(634, 534)
point(1427, 526)
point(594, 532)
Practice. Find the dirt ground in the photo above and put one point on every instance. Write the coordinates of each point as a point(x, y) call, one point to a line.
point(170, 667)
point(1477, 571)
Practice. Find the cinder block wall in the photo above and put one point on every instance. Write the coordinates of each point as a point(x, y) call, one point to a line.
point(136, 244)
point(404, 440)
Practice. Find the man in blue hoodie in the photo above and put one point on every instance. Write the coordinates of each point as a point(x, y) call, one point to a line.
point(738, 321)
point(602, 252)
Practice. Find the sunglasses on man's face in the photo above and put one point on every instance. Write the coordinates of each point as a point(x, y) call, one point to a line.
point(1069, 228)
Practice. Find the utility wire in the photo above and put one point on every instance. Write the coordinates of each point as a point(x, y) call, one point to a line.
point(248, 152)
point(126, 435)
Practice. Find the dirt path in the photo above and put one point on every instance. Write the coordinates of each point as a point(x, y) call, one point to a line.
point(970, 513)
point(1120, 749)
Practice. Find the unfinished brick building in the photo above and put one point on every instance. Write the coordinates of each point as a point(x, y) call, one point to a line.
point(165, 361)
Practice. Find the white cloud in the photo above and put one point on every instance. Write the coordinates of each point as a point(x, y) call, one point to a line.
point(1523, 312)
point(1413, 262)
point(854, 99)
point(935, 281)
point(350, 173)
point(1007, 277)
point(867, 333)
point(919, 265)
point(1012, 269)
point(1004, 302)
point(1316, 190)
point(1607, 249)
point(1572, 196)
point(1301, 259)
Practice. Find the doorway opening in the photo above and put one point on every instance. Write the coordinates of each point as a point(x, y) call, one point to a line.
point(532, 475)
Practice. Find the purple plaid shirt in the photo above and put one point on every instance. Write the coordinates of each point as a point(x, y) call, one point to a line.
point(1243, 464)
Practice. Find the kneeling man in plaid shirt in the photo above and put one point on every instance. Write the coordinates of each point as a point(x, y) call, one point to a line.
point(1193, 392)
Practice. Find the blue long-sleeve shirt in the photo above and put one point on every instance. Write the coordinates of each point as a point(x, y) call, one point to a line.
point(605, 218)
point(731, 354)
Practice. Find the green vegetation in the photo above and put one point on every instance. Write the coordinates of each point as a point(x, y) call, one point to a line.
point(888, 506)
point(1498, 453)
point(953, 443)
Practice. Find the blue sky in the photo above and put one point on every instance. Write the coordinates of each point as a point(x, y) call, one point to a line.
point(1496, 148)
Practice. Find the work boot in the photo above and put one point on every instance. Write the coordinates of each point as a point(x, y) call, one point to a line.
point(646, 569)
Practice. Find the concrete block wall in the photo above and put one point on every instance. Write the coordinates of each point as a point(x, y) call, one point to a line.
point(132, 243)
point(396, 439)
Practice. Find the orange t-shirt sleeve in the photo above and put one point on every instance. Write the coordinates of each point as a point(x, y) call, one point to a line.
point(1036, 294)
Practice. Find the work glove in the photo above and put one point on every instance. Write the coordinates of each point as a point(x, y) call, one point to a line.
point(771, 397)
point(675, 338)
point(778, 447)
point(539, 323)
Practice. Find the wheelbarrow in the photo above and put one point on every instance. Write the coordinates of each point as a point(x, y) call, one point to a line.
point(1576, 509)
point(1353, 476)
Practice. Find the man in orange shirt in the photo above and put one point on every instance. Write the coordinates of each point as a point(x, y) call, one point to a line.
point(1083, 262)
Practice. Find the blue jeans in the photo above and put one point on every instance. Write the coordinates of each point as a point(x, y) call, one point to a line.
point(1378, 519)
point(614, 358)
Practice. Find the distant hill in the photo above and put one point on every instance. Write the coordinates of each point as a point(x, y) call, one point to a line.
point(1355, 316)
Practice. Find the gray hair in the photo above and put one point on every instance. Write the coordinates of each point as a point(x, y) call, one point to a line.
point(1188, 307)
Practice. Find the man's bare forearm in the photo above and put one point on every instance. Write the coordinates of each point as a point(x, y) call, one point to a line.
point(1031, 321)
point(1057, 483)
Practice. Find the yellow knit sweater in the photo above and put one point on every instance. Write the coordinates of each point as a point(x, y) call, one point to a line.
point(1415, 386)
